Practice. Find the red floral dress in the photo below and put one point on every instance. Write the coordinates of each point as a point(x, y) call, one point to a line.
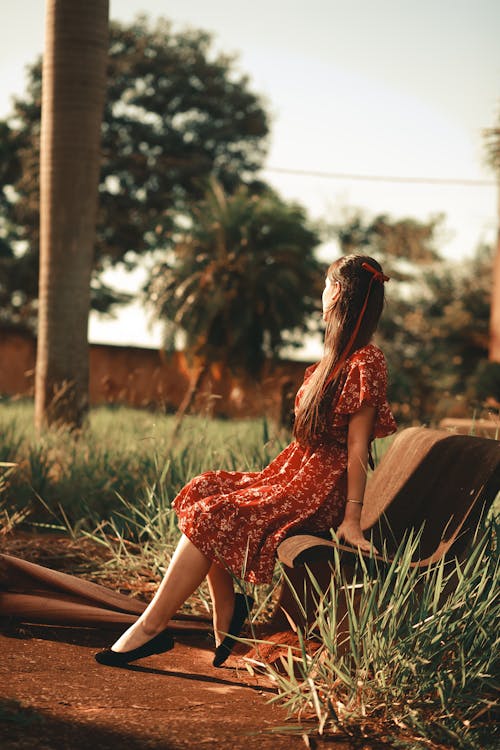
point(240, 518)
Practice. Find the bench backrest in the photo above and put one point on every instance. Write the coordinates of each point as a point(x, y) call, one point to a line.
point(436, 479)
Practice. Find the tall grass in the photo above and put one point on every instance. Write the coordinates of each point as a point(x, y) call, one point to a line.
point(415, 655)
point(122, 456)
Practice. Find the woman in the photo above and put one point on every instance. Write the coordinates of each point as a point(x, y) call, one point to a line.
point(233, 522)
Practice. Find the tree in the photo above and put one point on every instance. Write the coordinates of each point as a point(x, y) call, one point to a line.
point(436, 334)
point(242, 281)
point(74, 82)
point(390, 240)
point(175, 113)
point(492, 144)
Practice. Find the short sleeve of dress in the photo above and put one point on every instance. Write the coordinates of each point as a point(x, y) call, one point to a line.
point(364, 382)
point(307, 374)
point(309, 371)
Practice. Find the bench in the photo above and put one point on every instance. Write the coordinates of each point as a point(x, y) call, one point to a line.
point(429, 479)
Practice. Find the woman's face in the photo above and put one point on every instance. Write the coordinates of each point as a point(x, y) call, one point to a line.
point(330, 295)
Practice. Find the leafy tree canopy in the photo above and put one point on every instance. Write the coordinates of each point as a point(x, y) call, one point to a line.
point(435, 337)
point(389, 240)
point(176, 112)
point(243, 278)
point(492, 144)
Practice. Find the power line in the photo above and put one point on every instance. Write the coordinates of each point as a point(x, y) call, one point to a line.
point(382, 178)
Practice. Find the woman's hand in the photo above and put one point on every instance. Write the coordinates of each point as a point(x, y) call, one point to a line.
point(350, 532)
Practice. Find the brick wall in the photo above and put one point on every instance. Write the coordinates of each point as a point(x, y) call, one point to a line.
point(147, 378)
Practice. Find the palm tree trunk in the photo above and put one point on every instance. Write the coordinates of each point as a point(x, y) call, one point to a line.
point(188, 399)
point(74, 83)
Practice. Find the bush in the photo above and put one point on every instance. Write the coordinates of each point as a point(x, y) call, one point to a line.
point(485, 383)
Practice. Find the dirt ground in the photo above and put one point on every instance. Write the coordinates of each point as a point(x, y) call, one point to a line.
point(54, 695)
point(176, 700)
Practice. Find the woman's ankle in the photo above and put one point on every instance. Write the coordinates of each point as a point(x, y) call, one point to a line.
point(222, 621)
point(151, 626)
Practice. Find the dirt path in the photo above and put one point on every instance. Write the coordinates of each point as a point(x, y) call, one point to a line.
point(56, 697)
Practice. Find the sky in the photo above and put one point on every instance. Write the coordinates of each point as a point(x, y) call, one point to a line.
point(366, 88)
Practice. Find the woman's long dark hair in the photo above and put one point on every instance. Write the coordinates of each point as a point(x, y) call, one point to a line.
point(341, 321)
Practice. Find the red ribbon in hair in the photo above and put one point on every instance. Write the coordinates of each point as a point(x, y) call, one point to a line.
point(376, 276)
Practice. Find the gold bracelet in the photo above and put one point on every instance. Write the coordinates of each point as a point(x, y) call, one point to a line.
point(357, 502)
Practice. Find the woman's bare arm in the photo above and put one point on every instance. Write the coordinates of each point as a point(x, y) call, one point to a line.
point(358, 442)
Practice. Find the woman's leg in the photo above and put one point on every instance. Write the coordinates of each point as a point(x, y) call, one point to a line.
point(186, 571)
point(220, 584)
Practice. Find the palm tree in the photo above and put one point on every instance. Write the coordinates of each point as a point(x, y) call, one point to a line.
point(240, 282)
point(74, 76)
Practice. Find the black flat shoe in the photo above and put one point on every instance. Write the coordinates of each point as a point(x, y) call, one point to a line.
point(157, 645)
point(242, 608)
